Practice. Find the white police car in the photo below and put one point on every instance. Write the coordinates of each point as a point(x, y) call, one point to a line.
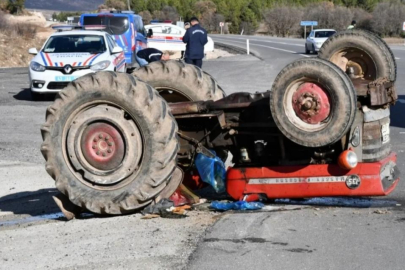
point(169, 37)
point(67, 55)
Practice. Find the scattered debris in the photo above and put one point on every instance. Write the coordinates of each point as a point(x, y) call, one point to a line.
point(212, 171)
point(340, 202)
point(69, 210)
point(239, 205)
point(165, 208)
point(159, 207)
point(150, 216)
point(184, 196)
point(382, 212)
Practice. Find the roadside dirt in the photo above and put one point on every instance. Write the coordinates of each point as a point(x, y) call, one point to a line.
point(14, 43)
point(217, 53)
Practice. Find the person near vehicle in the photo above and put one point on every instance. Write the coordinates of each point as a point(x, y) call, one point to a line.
point(186, 26)
point(352, 25)
point(195, 39)
point(152, 55)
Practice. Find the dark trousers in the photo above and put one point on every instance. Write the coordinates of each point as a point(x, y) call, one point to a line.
point(195, 62)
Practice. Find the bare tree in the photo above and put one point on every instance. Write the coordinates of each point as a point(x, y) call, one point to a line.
point(363, 19)
point(328, 16)
point(167, 13)
point(146, 16)
point(170, 13)
point(102, 8)
point(388, 18)
point(117, 4)
point(283, 20)
point(205, 7)
point(217, 18)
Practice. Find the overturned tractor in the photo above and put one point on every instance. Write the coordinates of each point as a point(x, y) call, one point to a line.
point(115, 143)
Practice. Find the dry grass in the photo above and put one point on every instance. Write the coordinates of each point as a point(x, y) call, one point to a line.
point(15, 40)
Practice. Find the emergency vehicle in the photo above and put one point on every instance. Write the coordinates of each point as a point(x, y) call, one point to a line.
point(68, 55)
point(127, 30)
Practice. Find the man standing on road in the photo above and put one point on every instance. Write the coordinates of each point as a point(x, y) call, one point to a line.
point(195, 38)
point(152, 55)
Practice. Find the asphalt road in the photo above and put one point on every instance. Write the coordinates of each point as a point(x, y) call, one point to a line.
point(33, 234)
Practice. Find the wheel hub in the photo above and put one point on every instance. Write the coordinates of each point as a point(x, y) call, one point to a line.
point(103, 146)
point(311, 103)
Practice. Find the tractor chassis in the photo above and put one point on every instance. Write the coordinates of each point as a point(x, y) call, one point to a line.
point(241, 123)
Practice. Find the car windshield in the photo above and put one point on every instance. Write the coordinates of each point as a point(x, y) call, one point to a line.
point(324, 34)
point(75, 44)
point(114, 25)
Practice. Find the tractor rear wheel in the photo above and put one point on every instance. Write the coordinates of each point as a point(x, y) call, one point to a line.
point(313, 102)
point(361, 54)
point(110, 143)
point(177, 81)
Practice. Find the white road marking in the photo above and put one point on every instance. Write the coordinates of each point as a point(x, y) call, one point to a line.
point(253, 44)
point(262, 40)
point(401, 101)
point(397, 58)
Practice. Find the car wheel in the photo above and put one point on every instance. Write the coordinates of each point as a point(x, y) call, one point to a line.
point(35, 96)
point(306, 49)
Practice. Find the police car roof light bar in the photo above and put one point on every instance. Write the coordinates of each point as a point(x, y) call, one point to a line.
point(161, 22)
point(61, 28)
point(95, 27)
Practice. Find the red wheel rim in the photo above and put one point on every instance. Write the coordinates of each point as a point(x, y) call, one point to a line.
point(102, 146)
point(311, 103)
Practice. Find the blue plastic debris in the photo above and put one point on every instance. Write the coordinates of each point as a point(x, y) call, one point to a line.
point(212, 171)
point(239, 205)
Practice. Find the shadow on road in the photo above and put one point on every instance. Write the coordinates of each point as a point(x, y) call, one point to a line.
point(397, 119)
point(25, 94)
point(30, 203)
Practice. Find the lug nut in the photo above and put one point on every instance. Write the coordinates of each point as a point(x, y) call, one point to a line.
point(94, 147)
point(100, 136)
point(98, 153)
point(109, 150)
point(107, 138)
point(104, 154)
point(308, 105)
point(110, 143)
point(95, 140)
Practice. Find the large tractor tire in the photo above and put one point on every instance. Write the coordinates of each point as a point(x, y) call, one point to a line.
point(360, 53)
point(177, 81)
point(313, 102)
point(110, 143)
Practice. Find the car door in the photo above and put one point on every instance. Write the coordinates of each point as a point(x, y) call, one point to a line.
point(309, 40)
point(157, 40)
point(118, 59)
point(174, 38)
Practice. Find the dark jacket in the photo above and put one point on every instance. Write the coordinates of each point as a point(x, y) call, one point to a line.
point(150, 54)
point(195, 38)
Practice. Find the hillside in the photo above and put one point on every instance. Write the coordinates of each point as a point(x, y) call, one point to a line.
point(63, 5)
